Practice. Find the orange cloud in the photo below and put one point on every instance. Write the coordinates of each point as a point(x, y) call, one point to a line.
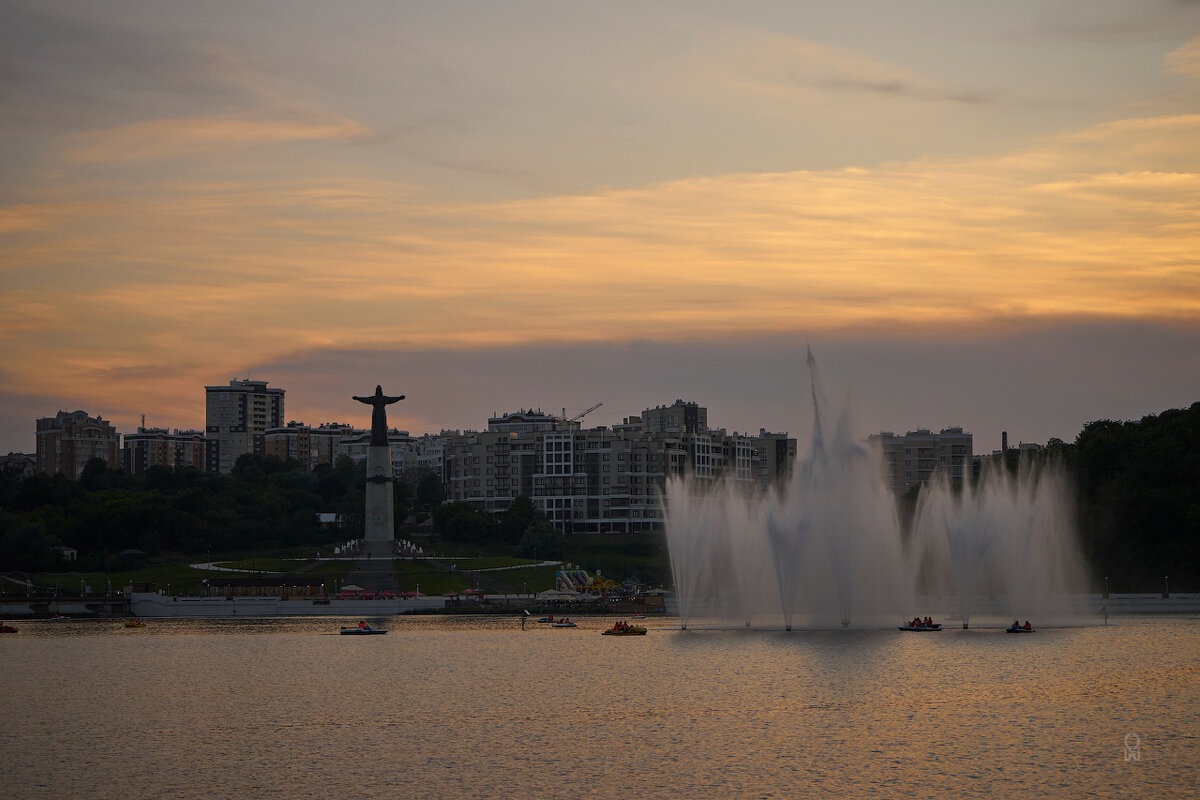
point(1185, 60)
point(165, 138)
point(209, 279)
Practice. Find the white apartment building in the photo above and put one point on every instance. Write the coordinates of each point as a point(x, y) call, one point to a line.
point(596, 480)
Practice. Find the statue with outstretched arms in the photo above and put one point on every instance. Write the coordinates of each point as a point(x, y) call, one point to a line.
point(379, 427)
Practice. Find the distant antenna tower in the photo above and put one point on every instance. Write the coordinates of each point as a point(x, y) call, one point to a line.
point(143, 422)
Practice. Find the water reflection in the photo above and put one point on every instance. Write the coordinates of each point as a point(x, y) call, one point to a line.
point(462, 707)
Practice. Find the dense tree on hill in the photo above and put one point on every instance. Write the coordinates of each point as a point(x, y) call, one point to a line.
point(429, 491)
point(513, 523)
point(265, 503)
point(542, 540)
point(27, 544)
point(1139, 486)
point(461, 522)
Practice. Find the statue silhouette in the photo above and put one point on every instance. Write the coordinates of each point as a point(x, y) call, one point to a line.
point(377, 401)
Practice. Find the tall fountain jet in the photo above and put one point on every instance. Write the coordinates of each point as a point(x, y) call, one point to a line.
point(380, 513)
point(829, 549)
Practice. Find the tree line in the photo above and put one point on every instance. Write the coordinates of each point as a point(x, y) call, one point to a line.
point(265, 503)
point(1138, 487)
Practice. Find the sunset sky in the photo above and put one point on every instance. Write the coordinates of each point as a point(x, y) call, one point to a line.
point(976, 214)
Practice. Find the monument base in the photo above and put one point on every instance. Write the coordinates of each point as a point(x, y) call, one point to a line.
point(380, 514)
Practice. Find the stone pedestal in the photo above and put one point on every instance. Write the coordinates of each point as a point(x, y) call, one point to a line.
point(380, 513)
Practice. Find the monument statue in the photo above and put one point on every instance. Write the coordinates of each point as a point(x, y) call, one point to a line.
point(379, 519)
point(379, 428)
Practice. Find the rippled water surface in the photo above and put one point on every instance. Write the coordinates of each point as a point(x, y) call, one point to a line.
point(451, 707)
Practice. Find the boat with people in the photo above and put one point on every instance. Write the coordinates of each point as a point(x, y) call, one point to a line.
point(5, 628)
point(1017, 627)
point(921, 625)
point(361, 629)
point(136, 622)
point(565, 623)
point(624, 629)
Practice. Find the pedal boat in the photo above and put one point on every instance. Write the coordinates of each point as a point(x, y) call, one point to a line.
point(628, 630)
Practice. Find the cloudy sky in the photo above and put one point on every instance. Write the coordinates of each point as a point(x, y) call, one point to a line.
point(976, 214)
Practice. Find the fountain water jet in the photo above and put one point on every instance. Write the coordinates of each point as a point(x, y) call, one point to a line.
point(829, 538)
point(1006, 541)
point(828, 546)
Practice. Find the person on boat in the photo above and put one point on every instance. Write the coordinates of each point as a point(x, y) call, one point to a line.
point(916, 623)
point(928, 622)
point(363, 625)
point(1028, 627)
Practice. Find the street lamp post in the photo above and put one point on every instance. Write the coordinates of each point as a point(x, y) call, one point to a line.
point(1105, 587)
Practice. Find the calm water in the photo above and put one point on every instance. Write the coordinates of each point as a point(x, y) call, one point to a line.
point(476, 708)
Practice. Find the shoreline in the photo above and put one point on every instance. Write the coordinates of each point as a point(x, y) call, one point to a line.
point(153, 605)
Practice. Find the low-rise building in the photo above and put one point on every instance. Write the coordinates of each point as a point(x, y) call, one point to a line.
point(151, 447)
point(306, 445)
point(18, 465)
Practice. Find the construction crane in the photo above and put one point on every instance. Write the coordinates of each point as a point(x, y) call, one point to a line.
point(563, 419)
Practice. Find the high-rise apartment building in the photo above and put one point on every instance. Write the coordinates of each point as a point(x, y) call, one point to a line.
point(917, 456)
point(237, 418)
point(776, 455)
point(66, 441)
point(679, 417)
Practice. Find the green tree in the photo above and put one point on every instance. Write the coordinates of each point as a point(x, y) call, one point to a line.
point(460, 522)
point(519, 515)
point(429, 492)
point(543, 540)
